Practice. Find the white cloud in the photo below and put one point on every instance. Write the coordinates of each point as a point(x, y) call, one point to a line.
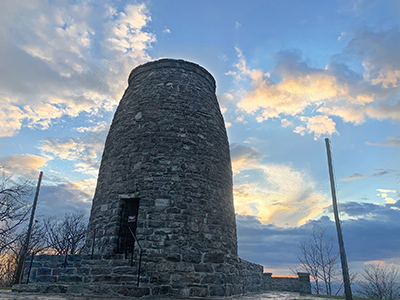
point(166, 30)
point(101, 126)
point(47, 64)
point(286, 123)
point(319, 125)
point(303, 92)
point(85, 154)
point(384, 193)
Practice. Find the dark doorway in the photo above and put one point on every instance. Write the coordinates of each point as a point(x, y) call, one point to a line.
point(129, 221)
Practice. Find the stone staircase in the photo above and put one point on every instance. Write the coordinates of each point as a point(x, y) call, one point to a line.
point(83, 274)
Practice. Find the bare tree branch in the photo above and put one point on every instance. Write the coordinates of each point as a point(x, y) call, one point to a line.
point(381, 281)
point(317, 258)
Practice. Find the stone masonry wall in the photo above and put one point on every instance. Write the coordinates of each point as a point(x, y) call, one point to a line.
point(167, 145)
point(301, 283)
point(211, 274)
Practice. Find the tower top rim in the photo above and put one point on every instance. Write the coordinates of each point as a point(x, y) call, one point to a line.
point(172, 63)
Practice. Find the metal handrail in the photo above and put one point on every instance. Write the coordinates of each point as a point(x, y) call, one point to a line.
point(140, 253)
point(92, 252)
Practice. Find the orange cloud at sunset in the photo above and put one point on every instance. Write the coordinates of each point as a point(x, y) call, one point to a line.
point(20, 164)
point(280, 195)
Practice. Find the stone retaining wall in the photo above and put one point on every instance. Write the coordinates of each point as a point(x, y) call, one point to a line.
point(301, 283)
point(210, 274)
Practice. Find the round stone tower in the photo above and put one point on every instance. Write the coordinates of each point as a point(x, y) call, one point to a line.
point(165, 173)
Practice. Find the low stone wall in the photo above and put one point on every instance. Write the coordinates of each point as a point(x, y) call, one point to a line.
point(195, 275)
point(301, 283)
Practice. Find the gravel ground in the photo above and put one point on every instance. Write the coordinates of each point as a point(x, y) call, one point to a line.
point(8, 295)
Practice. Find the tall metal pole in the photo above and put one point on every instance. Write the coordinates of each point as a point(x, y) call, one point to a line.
point(25, 247)
point(343, 259)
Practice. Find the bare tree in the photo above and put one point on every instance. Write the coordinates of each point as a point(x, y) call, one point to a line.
point(7, 269)
point(66, 236)
point(381, 281)
point(316, 257)
point(13, 208)
point(9, 259)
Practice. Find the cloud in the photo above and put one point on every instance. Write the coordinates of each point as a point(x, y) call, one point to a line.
point(23, 164)
point(61, 61)
point(313, 95)
point(380, 56)
point(286, 123)
point(384, 194)
point(276, 247)
point(85, 153)
point(74, 198)
point(244, 157)
point(166, 30)
point(354, 176)
point(376, 174)
point(390, 141)
point(279, 195)
point(319, 125)
point(101, 126)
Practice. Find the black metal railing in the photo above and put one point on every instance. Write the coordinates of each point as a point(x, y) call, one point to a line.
point(34, 252)
point(140, 253)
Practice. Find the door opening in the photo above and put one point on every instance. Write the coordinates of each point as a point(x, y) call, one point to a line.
point(128, 223)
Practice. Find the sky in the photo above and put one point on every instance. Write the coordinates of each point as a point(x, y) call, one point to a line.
point(289, 74)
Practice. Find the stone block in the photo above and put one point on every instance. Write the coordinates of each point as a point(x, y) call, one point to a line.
point(70, 278)
point(62, 271)
point(83, 270)
point(214, 257)
point(187, 278)
point(192, 257)
point(44, 271)
point(131, 291)
point(165, 290)
point(46, 278)
point(124, 270)
point(203, 268)
point(209, 278)
point(217, 290)
point(56, 289)
point(198, 291)
point(105, 279)
point(176, 257)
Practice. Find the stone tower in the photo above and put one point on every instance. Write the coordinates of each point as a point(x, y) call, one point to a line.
point(165, 177)
point(166, 169)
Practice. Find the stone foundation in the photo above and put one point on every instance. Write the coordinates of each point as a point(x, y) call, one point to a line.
point(208, 274)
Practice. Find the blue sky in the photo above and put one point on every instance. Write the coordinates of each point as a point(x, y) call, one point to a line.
point(288, 73)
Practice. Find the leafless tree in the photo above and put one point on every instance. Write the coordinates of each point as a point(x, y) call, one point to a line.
point(13, 208)
point(7, 268)
point(9, 259)
point(316, 256)
point(381, 281)
point(66, 236)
